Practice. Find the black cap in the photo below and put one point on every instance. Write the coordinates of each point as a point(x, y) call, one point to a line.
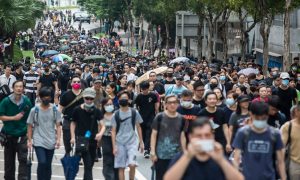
point(96, 70)
point(179, 77)
point(243, 98)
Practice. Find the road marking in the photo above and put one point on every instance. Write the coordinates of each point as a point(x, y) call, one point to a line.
point(139, 176)
point(53, 176)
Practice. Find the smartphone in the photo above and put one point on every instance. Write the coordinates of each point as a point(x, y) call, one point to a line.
point(205, 145)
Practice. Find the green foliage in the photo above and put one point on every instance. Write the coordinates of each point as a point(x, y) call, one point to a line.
point(17, 56)
point(17, 15)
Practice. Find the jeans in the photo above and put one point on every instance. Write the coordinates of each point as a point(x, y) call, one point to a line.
point(15, 145)
point(146, 131)
point(67, 139)
point(44, 169)
point(109, 172)
point(88, 160)
point(161, 167)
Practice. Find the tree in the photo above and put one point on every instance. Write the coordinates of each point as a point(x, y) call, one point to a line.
point(18, 15)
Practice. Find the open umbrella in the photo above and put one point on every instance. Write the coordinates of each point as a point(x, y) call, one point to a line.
point(64, 47)
point(64, 56)
point(96, 37)
point(74, 42)
point(66, 36)
point(29, 163)
point(95, 58)
point(49, 53)
point(90, 46)
point(38, 45)
point(71, 166)
point(83, 36)
point(62, 40)
point(145, 76)
point(248, 71)
point(179, 60)
point(57, 59)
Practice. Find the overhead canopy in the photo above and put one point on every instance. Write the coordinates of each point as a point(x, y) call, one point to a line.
point(270, 53)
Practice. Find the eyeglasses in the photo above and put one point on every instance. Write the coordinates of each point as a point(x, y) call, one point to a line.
point(172, 102)
point(89, 98)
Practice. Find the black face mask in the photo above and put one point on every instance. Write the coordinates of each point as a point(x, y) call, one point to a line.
point(213, 86)
point(45, 102)
point(123, 102)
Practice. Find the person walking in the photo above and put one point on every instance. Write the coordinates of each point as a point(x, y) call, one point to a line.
point(30, 80)
point(109, 172)
point(69, 100)
point(124, 139)
point(14, 111)
point(167, 137)
point(44, 133)
point(86, 131)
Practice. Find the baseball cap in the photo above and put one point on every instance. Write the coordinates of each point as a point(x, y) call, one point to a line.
point(97, 80)
point(89, 92)
point(179, 77)
point(243, 98)
point(284, 75)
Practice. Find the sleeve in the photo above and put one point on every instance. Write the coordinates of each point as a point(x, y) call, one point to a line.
point(222, 116)
point(31, 116)
point(169, 90)
point(174, 160)
point(155, 98)
point(232, 119)
point(2, 107)
point(99, 116)
point(137, 100)
point(62, 101)
point(284, 132)
point(154, 123)
point(113, 121)
point(278, 144)
point(138, 118)
point(238, 140)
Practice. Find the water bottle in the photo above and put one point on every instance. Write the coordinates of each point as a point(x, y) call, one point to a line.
point(87, 134)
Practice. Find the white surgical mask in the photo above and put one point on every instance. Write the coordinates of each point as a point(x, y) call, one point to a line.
point(186, 104)
point(260, 124)
point(229, 102)
point(109, 108)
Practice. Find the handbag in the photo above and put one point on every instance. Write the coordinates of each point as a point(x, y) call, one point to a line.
point(287, 151)
point(81, 142)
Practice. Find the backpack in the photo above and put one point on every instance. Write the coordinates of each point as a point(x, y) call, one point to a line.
point(119, 120)
point(36, 114)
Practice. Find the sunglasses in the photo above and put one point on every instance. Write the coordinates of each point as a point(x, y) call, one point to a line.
point(89, 98)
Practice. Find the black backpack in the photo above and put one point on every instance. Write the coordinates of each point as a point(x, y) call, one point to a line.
point(119, 120)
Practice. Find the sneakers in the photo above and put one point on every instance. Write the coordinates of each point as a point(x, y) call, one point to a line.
point(146, 154)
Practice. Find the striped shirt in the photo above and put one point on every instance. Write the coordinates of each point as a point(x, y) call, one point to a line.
point(30, 80)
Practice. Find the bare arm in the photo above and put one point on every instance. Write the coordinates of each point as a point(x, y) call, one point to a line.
point(229, 171)
point(177, 171)
point(113, 137)
point(230, 132)
point(237, 158)
point(58, 132)
point(72, 129)
point(29, 132)
point(153, 141)
point(157, 107)
point(226, 134)
point(183, 141)
point(281, 164)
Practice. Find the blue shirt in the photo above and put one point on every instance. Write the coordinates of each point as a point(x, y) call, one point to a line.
point(174, 89)
point(258, 152)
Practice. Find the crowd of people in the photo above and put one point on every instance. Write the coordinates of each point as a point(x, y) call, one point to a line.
point(195, 120)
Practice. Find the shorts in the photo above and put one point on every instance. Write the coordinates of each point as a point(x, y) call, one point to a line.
point(126, 155)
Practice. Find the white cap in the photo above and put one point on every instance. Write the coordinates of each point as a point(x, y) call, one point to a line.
point(284, 75)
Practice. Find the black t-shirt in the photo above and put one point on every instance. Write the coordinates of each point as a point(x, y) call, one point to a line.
point(18, 76)
point(84, 121)
point(189, 114)
point(64, 78)
point(65, 100)
point(169, 82)
point(218, 118)
point(47, 80)
point(159, 88)
point(286, 100)
point(89, 81)
point(200, 103)
point(146, 106)
point(277, 120)
point(208, 170)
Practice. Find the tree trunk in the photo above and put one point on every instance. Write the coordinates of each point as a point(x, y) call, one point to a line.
point(286, 41)
point(199, 34)
point(168, 38)
point(224, 42)
point(210, 40)
point(242, 40)
point(140, 38)
point(265, 27)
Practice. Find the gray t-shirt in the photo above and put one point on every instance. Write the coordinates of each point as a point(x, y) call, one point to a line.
point(108, 125)
point(126, 133)
point(237, 121)
point(168, 140)
point(44, 134)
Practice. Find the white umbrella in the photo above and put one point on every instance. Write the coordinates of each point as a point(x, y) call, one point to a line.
point(179, 60)
point(248, 71)
point(145, 76)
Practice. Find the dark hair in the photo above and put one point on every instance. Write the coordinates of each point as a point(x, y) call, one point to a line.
point(187, 93)
point(199, 122)
point(170, 96)
point(13, 85)
point(75, 76)
point(45, 91)
point(210, 93)
point(259, 108)
point(197, 84)
point(131, 82)
point(120, 77)
point(103, 103)
point(113, 86)
point(222, 96)
point(274, 101)
point(123, 92)
point(144, 85)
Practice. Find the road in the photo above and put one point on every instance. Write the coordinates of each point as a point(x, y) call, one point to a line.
point(143, 171)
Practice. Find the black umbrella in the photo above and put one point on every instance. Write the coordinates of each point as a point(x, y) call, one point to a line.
point(113, 34)
point(98, 58)
point(71, 166)
point(41, 45)
point(29, 163)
